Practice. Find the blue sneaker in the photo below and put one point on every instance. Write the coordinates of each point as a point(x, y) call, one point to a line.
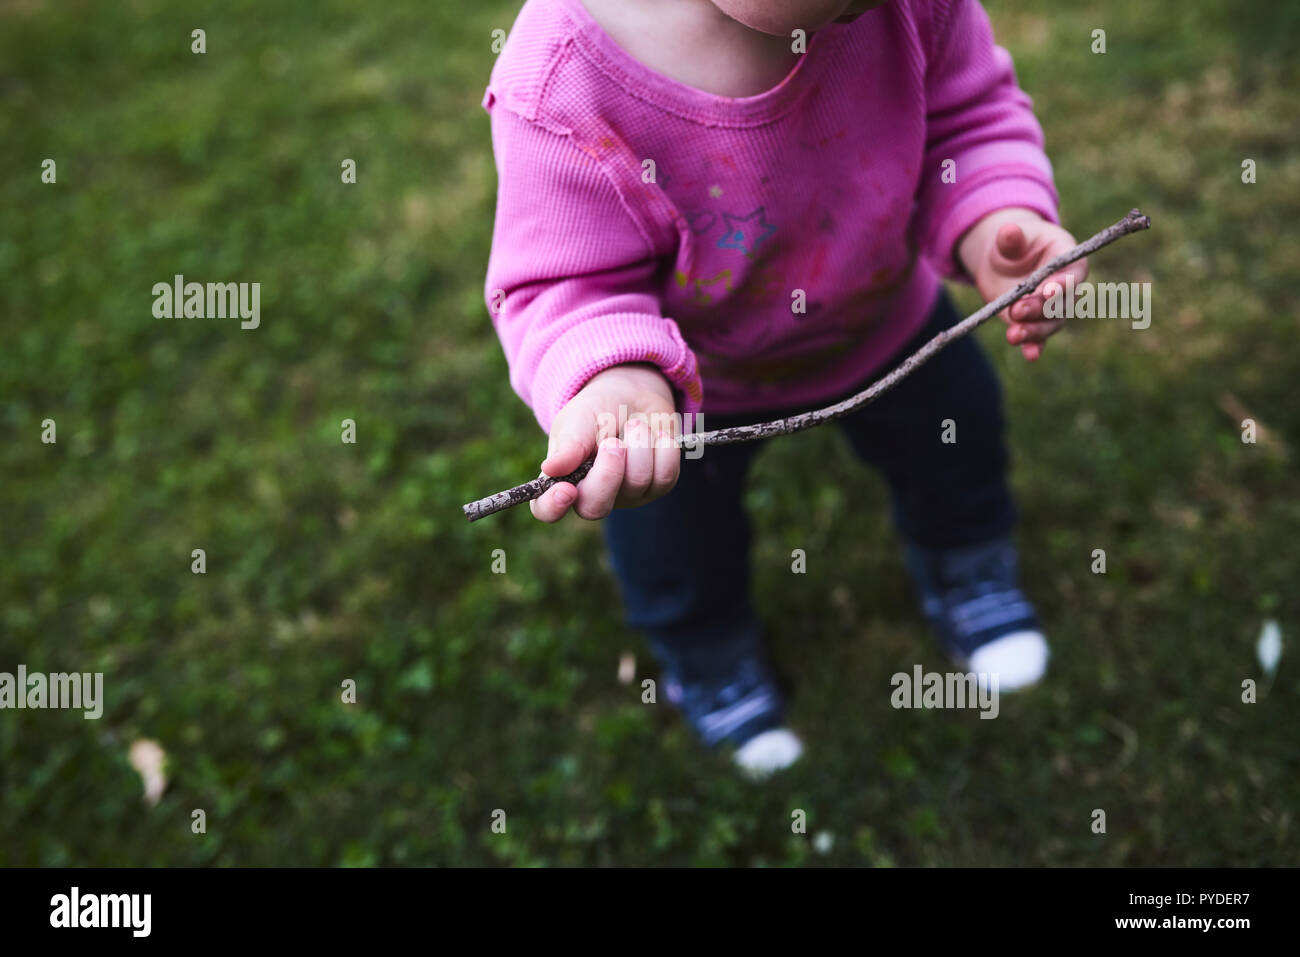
point(729, 696)
point(972, 597)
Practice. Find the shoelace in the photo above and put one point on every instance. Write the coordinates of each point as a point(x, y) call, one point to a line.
point(962, 578)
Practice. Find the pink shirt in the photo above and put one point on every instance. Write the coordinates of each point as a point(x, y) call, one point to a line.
point(642, 220)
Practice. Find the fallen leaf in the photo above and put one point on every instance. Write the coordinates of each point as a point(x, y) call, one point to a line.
point(148, 758)
point(626, 669)
point(1265, 437)
point(1268, 649)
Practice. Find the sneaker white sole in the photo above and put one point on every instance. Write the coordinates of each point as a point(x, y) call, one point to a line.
point(769, 752)
point(1018, 659)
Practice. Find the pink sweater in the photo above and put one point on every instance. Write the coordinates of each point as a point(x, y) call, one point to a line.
point(642, 220)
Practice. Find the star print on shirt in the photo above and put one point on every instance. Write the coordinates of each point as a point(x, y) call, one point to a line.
point(745, 232)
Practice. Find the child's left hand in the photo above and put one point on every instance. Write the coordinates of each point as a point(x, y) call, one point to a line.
point(1001, 250)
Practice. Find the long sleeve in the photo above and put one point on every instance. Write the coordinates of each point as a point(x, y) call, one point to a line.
point(570, 281)
point(980, 119)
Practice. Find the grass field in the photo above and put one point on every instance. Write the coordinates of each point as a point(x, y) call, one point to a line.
point(329, 561)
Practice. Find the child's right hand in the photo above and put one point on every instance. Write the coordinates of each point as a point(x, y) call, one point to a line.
point(631, 469)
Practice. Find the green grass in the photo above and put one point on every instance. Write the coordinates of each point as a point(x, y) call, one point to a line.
point(478, 691)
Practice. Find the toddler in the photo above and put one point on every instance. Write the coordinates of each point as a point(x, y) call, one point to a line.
point(745, 208)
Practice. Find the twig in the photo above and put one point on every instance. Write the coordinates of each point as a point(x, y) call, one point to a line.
point(1129, 739)
point(1131, 223)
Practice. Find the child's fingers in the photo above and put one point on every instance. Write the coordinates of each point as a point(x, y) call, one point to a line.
point(1029, 309)
point(639, 465)
point(668, 463)
point(1029, 317)
point(1029, 328)
point(1025, 331)
point(597, 492)
point(551, 505)
point(1054, 286)
point(565, 455)
point(1011, 250)
point(637, 462)
point(1077, 270)
point(572, 440)
point(1011, 244)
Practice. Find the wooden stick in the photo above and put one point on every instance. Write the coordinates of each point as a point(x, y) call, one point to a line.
point(1131, 223)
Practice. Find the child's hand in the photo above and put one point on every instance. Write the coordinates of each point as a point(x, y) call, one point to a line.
point(636, 470)
point(1001, 250)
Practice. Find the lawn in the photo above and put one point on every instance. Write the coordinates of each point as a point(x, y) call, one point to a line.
point(329, 562)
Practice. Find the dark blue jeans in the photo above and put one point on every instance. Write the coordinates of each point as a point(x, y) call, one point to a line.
point(683, 560)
